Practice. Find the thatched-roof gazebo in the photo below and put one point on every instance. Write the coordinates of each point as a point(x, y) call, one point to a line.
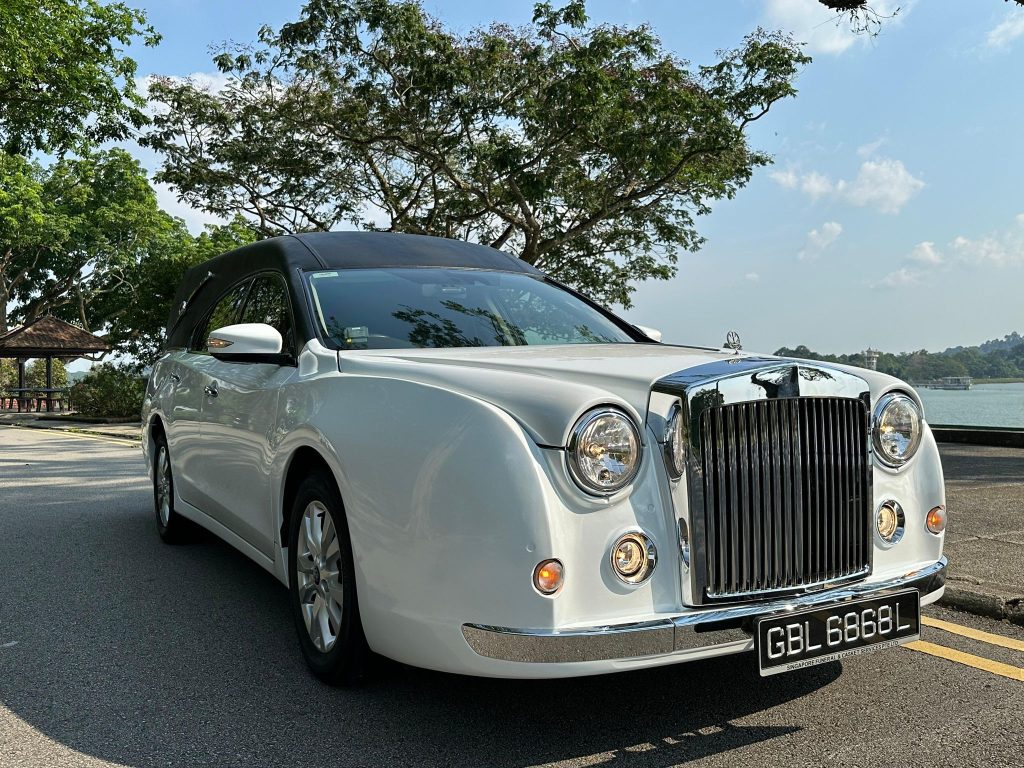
point(47, 338)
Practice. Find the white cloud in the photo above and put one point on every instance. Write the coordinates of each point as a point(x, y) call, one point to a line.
point(901, 278)
point(820, 239)
point(926, 253)
point(1006, 31)
point(752, 276)
point(867, 150)
point(998, 249)
point(824, 30)
point(991, 250)
point(789, 179)
point(816, 185)
point(884, 184)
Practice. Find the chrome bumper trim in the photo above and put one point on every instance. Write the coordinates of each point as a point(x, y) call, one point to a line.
point(698, 630)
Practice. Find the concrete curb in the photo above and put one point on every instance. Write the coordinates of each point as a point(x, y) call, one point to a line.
point(973, 600)
point(78, 431)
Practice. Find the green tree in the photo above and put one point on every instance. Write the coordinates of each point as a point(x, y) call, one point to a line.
point(136, 315)
point(35, 373)
point(64, 79)
point(73, 233)
point(586, 150)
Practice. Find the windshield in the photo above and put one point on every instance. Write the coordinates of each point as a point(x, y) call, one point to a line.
point(429, 307)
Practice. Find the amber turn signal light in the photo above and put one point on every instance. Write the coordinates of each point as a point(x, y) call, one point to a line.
point(936, 520)
point(547, 577)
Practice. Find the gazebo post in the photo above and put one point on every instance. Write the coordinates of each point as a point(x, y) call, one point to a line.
point(22, 397)
point(49, 383)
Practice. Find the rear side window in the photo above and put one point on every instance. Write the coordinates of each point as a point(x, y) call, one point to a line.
point(268, 303)
point(224, 313)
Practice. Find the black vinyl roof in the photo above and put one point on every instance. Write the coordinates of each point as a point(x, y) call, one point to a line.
point(203, 285)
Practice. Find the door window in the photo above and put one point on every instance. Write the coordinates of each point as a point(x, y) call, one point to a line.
point(268, 303)
point(224, 313)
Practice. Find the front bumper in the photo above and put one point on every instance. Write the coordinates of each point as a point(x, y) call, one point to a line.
point(726, 629)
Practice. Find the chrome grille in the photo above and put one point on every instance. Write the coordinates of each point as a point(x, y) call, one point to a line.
point(786, 494)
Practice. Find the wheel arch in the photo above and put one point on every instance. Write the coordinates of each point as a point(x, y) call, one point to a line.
point(301, 463)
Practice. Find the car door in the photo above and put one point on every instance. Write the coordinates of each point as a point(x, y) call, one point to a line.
point(239, 419)
point(188, 378)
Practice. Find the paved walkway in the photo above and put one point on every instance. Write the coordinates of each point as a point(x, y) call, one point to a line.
point(985, 539)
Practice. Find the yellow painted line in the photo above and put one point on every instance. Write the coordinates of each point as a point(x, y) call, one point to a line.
point(978, 662)
point(974, 634)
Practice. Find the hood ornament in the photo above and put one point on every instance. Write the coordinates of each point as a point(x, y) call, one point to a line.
point(732, 341)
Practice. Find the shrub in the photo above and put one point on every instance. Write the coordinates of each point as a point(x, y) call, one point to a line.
point(109, 391)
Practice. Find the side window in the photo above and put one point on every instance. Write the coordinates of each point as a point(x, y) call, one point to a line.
point(268, 303)
point(224, 313)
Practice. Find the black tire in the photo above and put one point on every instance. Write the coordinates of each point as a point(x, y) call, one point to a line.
point(339, 656)
point(172, 527)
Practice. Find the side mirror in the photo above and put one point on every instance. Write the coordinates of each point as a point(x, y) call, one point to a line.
point(651, 333)
point(247, 343)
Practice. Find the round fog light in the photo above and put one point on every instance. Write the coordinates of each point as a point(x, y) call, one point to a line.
point(547, 577)
point(633, 558)
point(936, 520)
point(889, 522)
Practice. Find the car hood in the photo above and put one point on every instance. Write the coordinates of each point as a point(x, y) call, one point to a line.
point(547, 388)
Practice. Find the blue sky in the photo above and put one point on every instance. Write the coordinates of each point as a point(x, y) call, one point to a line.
point(892, 216)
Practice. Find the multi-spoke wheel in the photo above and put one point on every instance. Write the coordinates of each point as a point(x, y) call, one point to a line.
point(173, 528)
point(322, 584)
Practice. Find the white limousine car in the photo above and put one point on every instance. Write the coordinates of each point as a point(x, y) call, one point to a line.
point(451, 460)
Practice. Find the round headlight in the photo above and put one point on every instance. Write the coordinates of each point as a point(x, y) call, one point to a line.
point(890, 522)
point(897, 430)
point(634, 557)
point(603, 451)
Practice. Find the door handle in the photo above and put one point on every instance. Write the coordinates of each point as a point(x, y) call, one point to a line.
point(211, 390)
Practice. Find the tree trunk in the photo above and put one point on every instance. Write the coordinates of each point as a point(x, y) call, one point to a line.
point(4, 298)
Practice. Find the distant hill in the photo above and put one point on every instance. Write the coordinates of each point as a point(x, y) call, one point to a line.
point(1009, 341)
point(995, 359)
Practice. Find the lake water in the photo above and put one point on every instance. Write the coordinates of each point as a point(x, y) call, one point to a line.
point(986, 405)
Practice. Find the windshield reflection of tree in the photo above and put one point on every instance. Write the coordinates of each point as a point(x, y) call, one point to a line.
point(549, 323)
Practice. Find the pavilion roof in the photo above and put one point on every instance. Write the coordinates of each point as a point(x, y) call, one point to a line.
point(49, 337)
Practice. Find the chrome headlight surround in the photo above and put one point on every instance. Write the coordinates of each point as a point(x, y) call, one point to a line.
point(675, 443)
point(586, 452)
point(896, 443)
point(633, 557)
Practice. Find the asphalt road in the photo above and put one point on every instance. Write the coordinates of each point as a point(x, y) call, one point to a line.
point(116, 649)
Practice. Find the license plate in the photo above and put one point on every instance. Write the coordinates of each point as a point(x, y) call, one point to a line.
point(804, 638)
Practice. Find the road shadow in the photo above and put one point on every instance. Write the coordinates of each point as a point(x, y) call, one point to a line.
point(144, 654)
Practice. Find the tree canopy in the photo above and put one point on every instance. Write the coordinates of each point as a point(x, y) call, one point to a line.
point(64, 79)
point(84, 239)
point(586, 150)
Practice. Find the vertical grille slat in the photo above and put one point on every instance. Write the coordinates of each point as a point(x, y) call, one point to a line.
point(785, 494)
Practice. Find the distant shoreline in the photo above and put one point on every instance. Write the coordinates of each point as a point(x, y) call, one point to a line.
point(1010, 380)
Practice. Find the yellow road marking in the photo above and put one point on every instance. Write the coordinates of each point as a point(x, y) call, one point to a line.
point(978, 662)
point(974, 634)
